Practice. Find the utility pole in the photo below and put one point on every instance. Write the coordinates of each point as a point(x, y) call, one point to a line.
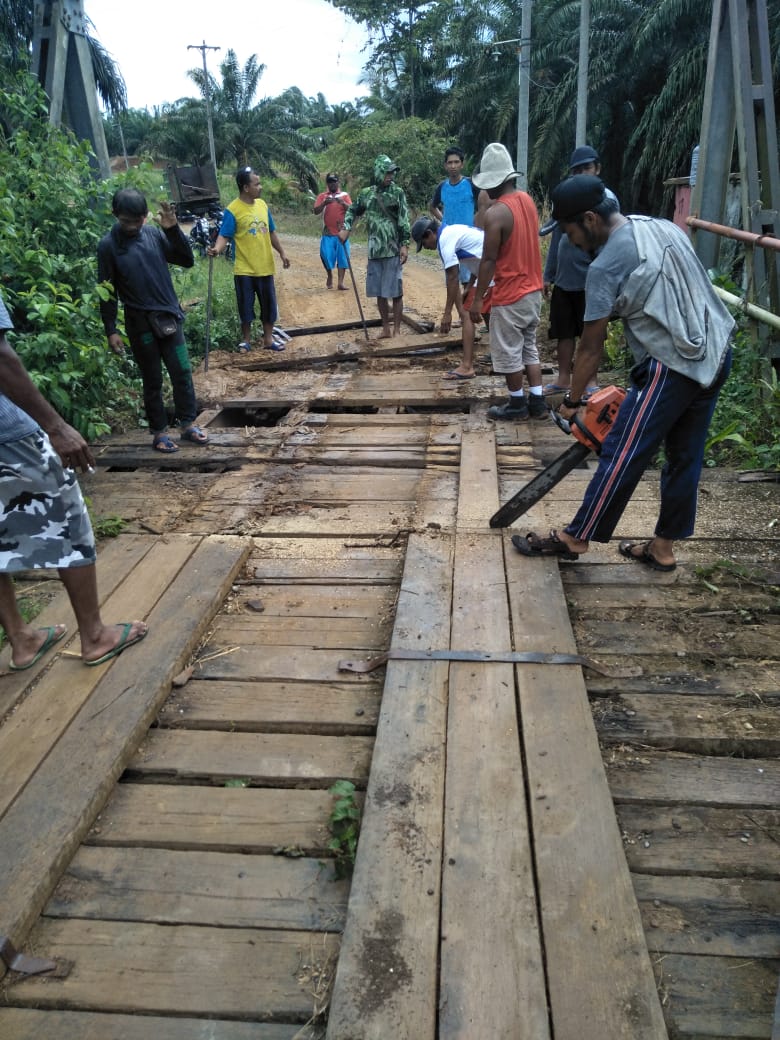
point(581, 134)
point(203, 47)
point(523, 88)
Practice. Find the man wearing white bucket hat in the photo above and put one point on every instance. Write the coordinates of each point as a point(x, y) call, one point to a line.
point(512, 260)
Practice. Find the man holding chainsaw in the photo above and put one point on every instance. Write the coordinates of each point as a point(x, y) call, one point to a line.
point(679, 333)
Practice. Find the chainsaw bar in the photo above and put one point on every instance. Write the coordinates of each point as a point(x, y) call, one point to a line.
point(538, 487)
point(499, 657)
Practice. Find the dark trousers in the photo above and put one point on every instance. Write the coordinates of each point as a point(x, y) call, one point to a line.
point(661, 407)
point(150, 355)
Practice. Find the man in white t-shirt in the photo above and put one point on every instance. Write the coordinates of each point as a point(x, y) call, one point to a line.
point(459, 246)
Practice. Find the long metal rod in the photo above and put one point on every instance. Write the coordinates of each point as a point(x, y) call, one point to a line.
point(765, 241)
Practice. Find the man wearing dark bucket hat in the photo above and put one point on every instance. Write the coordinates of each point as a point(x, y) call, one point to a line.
point(679, 333)
point(512, 261)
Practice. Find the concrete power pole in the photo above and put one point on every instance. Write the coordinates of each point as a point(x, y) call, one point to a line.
point(203, 47)
point(523, 90)
point(581, 135)
point(63, 65)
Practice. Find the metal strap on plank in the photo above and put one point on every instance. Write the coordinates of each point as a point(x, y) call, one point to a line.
point(487, 656)
point(20, 962)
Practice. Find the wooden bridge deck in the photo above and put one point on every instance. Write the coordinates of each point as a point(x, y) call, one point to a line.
point(544, 852)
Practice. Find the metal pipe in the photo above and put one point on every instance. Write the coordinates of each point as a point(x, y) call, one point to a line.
point(765, 241)
point(523, 89)
point(581, 135)
point(752, 311)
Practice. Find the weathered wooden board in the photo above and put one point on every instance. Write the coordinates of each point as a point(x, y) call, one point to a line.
point(31, 1024)
point(704, 725)
point(116, 559)
point(694, 675)
point(315, 601)
point(271, 759)
point(676, 779)
point(203, 888)
point(277, 663)
point(719, 996)
point(714, 636)
point(329, 560)
point(727, 917)
point(492, 977)
point(698, 840)
point(365, 634)
point(386, 982)
point(29, 735)
point(599, 974)
point(328, 708)
point(687, 594)
point(44, 826)
point(217, 818)
point(148, 968)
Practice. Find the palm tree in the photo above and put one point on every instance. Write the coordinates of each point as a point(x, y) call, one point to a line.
point(258, 134)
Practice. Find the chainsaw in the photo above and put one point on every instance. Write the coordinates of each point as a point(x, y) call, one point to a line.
point(588, 429)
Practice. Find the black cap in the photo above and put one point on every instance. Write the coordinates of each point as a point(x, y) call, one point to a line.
point(577, 195)
point(420, 229)
point(583, 155)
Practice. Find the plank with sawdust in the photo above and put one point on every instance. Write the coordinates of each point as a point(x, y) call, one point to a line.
point(314, 601)
point(386, 982)
point(233, 661)
point(272, 759)
point(29, 735)
point(716, 917)
point(673, 839)
point(219, 818)
point(45, 824)
point(283, 707)
point(599, 973)
point(365, 634)
point(674, 778)
point(704, 725)
point(32, 1024)
point(492, 980)
point(227, 890)
point(263, 974)
point(682, 635)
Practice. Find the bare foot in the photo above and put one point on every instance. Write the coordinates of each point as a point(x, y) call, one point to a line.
point(344, 288)
point(33, 643)
point(112, 640)
point(385, 334)
point(329, 282)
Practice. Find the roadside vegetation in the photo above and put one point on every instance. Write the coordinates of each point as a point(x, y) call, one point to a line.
point(433, 76)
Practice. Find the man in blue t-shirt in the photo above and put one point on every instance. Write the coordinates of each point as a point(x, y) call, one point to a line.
point(455, 200)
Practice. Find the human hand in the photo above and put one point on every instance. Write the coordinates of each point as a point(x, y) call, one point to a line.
point(547, 289)
point(403, 254)
point(71, 447)
point(166, 214)
point(343, 235)
point(285, 262)
point(446, 322)
point(117, 344)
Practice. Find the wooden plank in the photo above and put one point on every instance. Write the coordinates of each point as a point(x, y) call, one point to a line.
point(315, 601)
point(272, 759)
point(31, 1024)
point(327, 708)
point(625, 637)
point(694, 676)
point(697, 840)
point(263, 974)
point(29, 735)
point(203, 888)
point(44, 826)
point(492, 976)
point(217, 818)
point(116, 560)
point(599, 973)
point(719, 996)
point(368, 634)
point(386, 981)
point(478, 486)
point(676, 779)
point(275, 663)
point(704, 725)
point(727, 917)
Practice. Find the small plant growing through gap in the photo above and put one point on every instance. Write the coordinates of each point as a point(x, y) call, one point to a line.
point(344, 826)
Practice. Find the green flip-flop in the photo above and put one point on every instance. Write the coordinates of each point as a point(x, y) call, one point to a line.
point(52, 638)
point(121, 646)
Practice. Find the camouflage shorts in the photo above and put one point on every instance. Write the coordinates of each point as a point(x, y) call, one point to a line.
point(43, 518)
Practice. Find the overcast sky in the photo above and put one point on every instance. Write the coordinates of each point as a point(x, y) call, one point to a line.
point(303, 43)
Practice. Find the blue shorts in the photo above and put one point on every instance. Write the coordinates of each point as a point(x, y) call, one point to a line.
point(247, 288)
point(334, 252)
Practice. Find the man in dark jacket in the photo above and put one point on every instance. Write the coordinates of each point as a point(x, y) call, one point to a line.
point(134, 258)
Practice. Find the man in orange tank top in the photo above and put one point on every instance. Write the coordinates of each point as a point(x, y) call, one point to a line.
point(512, 261)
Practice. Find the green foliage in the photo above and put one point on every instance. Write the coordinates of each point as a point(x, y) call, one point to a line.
point(744, 428)
point(110, 526)
point(52, 214)
point(415, 144)
point(236, 783)
point(344, 826)
point(192, 289)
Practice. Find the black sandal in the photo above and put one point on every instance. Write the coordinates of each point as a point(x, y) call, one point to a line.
point(644, 556)
point(533, 545)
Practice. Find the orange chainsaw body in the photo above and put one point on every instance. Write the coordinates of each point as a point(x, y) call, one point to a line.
point(592, 426)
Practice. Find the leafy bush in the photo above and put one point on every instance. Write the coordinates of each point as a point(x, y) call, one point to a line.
point(417, 145)
point(52, 214)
